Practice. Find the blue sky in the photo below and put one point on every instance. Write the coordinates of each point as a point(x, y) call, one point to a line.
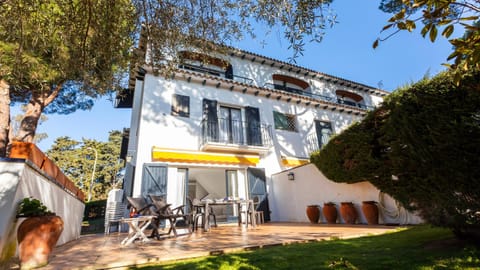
point(346, 51)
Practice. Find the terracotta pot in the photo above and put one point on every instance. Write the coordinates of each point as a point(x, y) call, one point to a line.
point(36, 238)
point(330, 212)
point(348, 212)
point(313, 213)
point(370, 210)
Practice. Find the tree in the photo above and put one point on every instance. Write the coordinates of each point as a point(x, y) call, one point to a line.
point(86, 43)
point(17, 119)
point(66, 49)
point(439, 16)
point(76, 160)
point(420, 146)
point(207, 25)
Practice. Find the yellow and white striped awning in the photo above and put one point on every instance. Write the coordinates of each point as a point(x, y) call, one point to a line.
point(293, 161)
point(185, 156)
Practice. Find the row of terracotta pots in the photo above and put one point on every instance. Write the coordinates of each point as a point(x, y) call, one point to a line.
point(347, 212)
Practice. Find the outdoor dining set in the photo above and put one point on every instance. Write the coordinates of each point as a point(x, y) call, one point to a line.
point(154, 213)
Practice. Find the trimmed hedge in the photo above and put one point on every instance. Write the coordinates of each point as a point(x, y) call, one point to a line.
point(422, 146)
point(94, 210)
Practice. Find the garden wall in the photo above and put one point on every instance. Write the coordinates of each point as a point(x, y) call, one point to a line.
point(289, 198)
point(20, 178)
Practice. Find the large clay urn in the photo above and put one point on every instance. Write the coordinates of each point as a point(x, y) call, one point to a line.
point(330, 212)
point(348, 212)
point(313, 213)
point(36, 238)
point(370, 210)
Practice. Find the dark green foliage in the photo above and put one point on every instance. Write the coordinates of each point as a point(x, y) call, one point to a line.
point(94, 210)
point(30, 207)
point(422, 147)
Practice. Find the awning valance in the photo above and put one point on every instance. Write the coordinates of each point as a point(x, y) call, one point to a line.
point(293, 162)
point(185, 156)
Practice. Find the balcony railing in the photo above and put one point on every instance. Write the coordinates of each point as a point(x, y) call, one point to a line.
point(236, 133)
point(250, 81)
point(312, 143)
point(316, 96)
point(215, 72)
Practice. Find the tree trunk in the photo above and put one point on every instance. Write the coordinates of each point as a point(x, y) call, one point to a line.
point(39, 100)
point(4, 116)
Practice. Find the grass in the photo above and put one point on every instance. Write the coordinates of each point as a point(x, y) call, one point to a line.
point(420, 247)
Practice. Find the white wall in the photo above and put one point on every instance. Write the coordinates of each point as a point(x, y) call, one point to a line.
point(153, 125)
point(288, 199)
point(18, 181)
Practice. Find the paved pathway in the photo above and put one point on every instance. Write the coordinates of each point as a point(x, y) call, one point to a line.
point(105, 252)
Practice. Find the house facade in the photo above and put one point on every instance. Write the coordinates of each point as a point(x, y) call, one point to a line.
point(221, 126)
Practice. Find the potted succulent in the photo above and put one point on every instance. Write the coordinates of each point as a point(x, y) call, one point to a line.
point(37, 234)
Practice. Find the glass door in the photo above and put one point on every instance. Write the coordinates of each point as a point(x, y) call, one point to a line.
point(231, 127)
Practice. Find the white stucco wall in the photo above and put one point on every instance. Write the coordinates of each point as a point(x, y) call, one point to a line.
point(19, 180)
point(153, 125)
point(288, 199)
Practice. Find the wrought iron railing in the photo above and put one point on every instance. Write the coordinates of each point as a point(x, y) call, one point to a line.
point(317, 96)
point(215, 72)
point(312, 143)
point(236, 132)
point(250, 81)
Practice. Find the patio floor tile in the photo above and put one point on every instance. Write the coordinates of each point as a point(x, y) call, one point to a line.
point(100, 251)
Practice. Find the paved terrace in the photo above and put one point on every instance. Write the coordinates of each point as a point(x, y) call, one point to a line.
point(105, 252)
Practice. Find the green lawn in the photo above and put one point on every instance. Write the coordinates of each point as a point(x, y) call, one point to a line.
point(420, 247)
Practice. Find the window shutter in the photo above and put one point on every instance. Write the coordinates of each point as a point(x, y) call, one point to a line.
point(254, 131)
point(210, 118)
point(229, 72)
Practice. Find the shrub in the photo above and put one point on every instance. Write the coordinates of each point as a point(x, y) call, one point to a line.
point(421, 147)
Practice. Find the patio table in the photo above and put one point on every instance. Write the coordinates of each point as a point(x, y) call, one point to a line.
point(136, 227)
point(248, 204)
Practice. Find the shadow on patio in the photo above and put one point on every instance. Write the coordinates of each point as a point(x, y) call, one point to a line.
point(100, 252)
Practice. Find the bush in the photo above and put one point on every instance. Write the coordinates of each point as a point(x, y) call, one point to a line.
point(94, 210)
point(421, 147)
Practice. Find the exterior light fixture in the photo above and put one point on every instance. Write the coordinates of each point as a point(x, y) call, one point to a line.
point(291, 176)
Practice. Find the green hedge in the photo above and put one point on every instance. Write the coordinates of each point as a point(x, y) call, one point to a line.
point(422, 147)
point(94, 210)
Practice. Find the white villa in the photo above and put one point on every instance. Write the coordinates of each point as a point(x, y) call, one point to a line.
point(236, 126)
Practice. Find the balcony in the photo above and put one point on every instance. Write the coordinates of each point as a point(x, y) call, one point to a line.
point(319, 97)
point(215, 72)
point(312, 143)
point(235, 136)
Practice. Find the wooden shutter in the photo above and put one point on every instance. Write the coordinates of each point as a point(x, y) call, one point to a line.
point(210, 118)
point(257, 187)
point(254, 132)
point(154, 179)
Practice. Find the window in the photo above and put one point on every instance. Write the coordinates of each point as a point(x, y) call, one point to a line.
point(181, 105)
point(230, 125)
point(284, 121)
point(324, 132)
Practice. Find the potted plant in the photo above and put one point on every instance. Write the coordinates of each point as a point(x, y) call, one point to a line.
point(313, 213)
point(37, 234)
point(330, 212)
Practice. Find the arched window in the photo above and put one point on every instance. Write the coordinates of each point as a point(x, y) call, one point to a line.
point(290, 84)
point(205, 64)
point(349, 98)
